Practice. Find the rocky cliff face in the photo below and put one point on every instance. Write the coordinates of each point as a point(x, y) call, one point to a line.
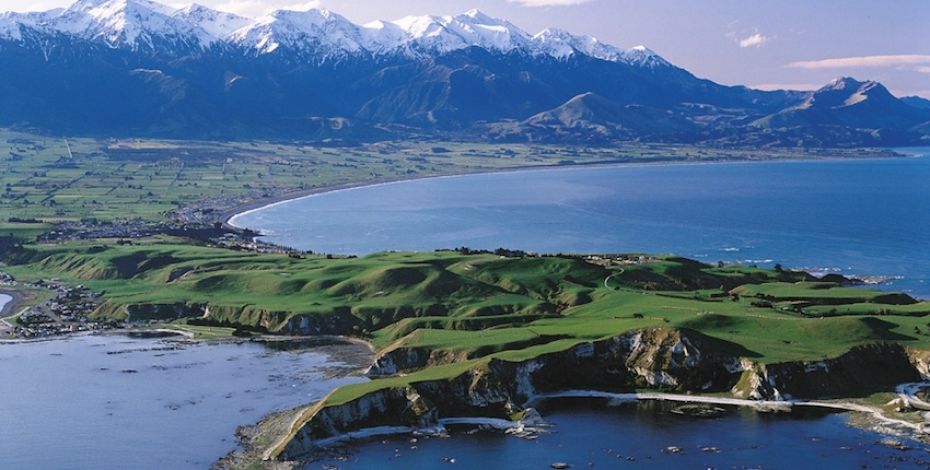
point(862, 370)
point(403, 360)
point(677, 360)
point(664, 358)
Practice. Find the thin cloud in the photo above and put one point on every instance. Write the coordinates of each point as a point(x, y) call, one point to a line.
point(549, 3)
point(892, 60)
point(923, 69)
point(755, 40)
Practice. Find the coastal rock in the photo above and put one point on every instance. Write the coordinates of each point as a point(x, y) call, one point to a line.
point(681, 360)
point(678, 360)
point(862, 369)
point(162, 311)
point(401, 360)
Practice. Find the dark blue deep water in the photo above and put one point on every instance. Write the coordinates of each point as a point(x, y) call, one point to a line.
point(637, 435)
point(863, 217)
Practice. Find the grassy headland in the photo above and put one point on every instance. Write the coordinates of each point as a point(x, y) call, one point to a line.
point(456, 312)
point(465, 309)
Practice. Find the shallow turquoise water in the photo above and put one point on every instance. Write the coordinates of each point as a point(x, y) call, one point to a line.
point(865, 217)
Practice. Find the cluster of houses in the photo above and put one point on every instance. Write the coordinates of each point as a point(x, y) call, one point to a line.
point(68, 311)
point(92, 229)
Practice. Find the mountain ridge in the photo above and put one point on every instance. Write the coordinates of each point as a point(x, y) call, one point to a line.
point(127, 22)
point(195, 72)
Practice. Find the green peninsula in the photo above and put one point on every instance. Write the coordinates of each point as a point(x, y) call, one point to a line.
point(463, 324)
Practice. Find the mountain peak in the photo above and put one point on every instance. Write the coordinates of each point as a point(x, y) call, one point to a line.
point(643, 56)
point(842, 83)
point(133, 23)
point(478, 15)
point(315, 34)
point(311, 31)
point(847, 92)
point(217, 24)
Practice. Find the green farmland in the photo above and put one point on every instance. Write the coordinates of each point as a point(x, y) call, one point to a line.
point(53, 179)
point(478, 306)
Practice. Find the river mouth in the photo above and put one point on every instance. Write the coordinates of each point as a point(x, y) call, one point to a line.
point(112, 401)
point(592, 433)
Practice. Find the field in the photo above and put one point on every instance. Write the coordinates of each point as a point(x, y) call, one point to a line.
point(53, 179)
point(458, 310)
point(469, 308)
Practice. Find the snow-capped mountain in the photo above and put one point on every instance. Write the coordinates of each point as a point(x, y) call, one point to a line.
point(315, 34)
point(12, 23)
point(216, 24)
point(325, 34)
point(315, 31)
point(133, 23)
point(441, 34)
point(197, 72)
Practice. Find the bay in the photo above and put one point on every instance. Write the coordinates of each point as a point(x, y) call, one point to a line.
point(857, 217)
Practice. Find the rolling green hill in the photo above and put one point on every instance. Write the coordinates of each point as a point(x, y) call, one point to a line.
point(453, 305)
point(456, 325)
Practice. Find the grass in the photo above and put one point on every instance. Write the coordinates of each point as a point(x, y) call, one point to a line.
point(27, 298)
point(23, 232)
point(107, 179)
point(475, 308)
point(815, 292)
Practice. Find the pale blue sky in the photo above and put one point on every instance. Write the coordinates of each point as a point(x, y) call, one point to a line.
point(751, 42)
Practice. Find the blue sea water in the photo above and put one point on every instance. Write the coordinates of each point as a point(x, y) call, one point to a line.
point(112, 402)
point(860, 217)
point(591, 435)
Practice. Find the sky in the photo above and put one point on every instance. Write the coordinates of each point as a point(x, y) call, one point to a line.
point(792, 44)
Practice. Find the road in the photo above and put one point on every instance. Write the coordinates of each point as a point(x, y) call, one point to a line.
point(607, 279)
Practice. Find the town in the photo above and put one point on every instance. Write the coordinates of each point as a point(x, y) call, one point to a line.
point(65, 310)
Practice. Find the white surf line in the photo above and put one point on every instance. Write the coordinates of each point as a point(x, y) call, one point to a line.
point(366, 433)
point(499, 424)
point(496, 423)
point(639, 396)
point(548, 168)
point(503, 424)
point(768, 405)
point(908, 394)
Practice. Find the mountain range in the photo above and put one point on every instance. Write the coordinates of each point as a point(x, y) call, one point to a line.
point(135, 67)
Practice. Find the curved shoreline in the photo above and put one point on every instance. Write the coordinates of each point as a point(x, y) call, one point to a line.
point(761, 406)
point(15, 300)
point(229, 217)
